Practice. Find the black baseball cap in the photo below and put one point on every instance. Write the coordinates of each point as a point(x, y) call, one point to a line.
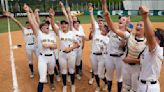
point(64, 22)
point(78, 21)
point(100, 16)
point(43, 24)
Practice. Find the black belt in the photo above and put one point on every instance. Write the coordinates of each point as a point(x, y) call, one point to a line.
point(116, 55)
point(100, 53)
point(46, 54)
point(132, 64)
point(145, 82)
point(31, 44)
point(97, 53)
point(66, 52)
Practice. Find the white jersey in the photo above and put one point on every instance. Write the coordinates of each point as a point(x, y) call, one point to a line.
point(151, 63)
point(115, 43)
point(79, 36)
point(95, 34)
point(28, 36)
point(44, 38)
point(99, 42)
point(96, 25)
point(81, 28)
point(66, 39)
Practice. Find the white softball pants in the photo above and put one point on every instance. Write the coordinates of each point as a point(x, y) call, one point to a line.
point(98, 65)
point(78, 56)
point(67, 61)
point(111, 64)
point(45, 63)
point(130, 76)
point(30, 49)
point(148, 87)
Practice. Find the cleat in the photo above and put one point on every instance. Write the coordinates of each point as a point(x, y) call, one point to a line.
point(97, 89)
point(73, 88)
point(91, 81)
point(78, 76)
point(105, 87)
point(32, 75)
point(52, 87)
point(64, 88)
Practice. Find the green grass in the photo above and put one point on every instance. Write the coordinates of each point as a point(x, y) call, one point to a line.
point(83, 19)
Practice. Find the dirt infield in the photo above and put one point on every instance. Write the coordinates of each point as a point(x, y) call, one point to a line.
point(30, 85)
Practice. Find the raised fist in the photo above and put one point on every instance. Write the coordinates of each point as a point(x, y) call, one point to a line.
point(144, 11)
point(90, 7)
point(51, 12)
point(61, 4)
point(26, 8)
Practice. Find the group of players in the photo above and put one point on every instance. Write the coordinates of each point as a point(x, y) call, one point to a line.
point(135, 55)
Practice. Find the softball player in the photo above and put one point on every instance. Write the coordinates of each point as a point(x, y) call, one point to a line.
point(57, 67)
point(82, 37)
point(79, 35)
point(115, 52)
point(99, 18)
point(29, 40)
point(47, 20)
point(135, 46)
point(151, 60)
point(46, 46)
point(99, 50)
point(67, 57)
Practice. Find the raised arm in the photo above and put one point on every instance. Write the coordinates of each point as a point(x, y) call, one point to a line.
point(64, 10)
point(36, 13)
point(91, 14)
point(109, 20)
point(70, 18)
point(52, 13)
point(8, 14)
point(150, 36)
point(31, 19)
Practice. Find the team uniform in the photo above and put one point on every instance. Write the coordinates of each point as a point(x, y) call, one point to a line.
point(79, 36)
point(46, 59)
point(67, 60)
point(30, 47)
point(56, 53)
point(135, 47)
point(99, 55)
point(91, 71)
point(66, 40)
point(114, 61)
point(151, 63)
